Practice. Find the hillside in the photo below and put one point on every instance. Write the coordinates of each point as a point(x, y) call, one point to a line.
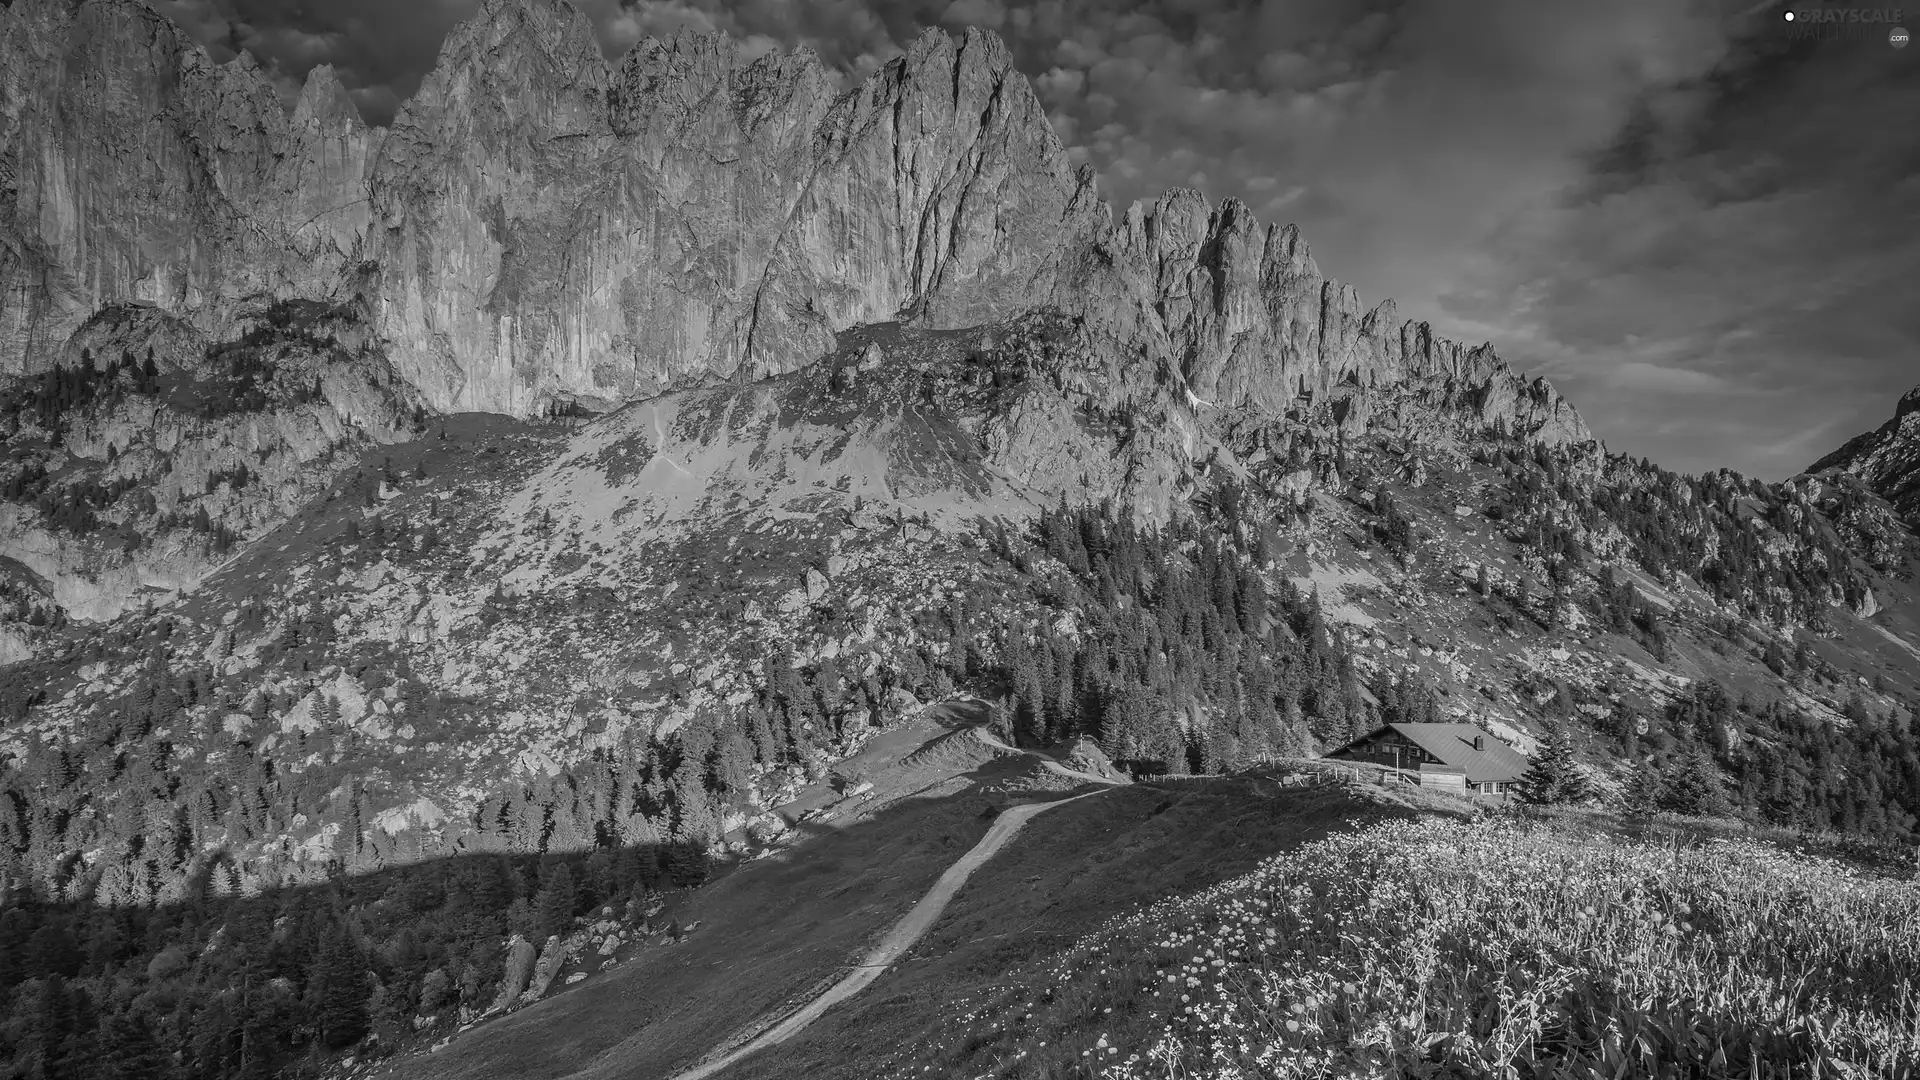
point(396, 631)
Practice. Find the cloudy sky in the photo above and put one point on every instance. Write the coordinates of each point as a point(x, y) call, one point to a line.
point(1702, 230)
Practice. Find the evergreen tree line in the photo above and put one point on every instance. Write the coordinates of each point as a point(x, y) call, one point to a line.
point(1713, 528)
point(1786, 768)
point(272, 985)
point(265, 997)
point(244, 375)
point(1184, 659)
point(1617, 608)
point(69, 507)
point(1712, 755)
point(45, 399)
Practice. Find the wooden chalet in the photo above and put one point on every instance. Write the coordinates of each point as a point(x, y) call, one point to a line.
point(1460, 756)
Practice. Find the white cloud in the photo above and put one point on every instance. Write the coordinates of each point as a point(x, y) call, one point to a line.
point(1060, 83)
point(1640, 375)
point(989, 14)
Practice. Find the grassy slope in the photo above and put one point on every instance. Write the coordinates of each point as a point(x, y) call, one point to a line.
point(776, 931)
point(1068, 873)
point(769, 934)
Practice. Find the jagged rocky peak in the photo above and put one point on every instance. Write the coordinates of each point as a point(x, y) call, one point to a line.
point(517, 62)
point(325, 103)
point(1887, 459)
point(947, 150)
point(694, 89)
point(322, 176)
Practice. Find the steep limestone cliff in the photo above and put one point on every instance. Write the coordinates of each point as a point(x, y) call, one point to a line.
point(556, 229)
point(540, 226)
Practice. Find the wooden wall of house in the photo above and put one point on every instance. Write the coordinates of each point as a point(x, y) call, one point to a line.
point(1382, 751)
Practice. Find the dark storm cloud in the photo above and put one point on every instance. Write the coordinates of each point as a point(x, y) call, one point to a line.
point(1688, 224)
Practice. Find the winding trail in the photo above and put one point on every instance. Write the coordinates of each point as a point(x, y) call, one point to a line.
point(899, 939)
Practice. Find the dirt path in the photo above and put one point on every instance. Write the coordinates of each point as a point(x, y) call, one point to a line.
point(1046, 762)
point(899, 939)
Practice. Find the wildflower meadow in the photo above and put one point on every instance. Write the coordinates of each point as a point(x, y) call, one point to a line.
point(1499, 948)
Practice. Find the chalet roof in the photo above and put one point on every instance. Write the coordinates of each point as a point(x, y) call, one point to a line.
point(1453, 745)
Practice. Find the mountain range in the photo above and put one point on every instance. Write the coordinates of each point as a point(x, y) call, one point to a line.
point(597, 473)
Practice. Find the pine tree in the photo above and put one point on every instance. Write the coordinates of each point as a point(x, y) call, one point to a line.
point(1023, 669)
point(1697, 789)
point(961, 623)
point(553, 904)
point(696, 822)
point(1657, 643)
point(128, 1050)
point(731, 768)
point(1553, 776)
point(52, 951)
point(45, 1013)
point(339, 991)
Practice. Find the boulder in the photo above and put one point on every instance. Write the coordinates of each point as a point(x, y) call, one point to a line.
point(520, 963)
point(552, 956)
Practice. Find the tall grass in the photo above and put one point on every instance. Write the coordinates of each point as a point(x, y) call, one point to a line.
point(1504, 948)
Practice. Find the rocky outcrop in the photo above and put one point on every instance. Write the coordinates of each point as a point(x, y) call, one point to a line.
point(540, 226)
point(553, 955)
point(324, 397)
point(1887, 459)
point(519, 971)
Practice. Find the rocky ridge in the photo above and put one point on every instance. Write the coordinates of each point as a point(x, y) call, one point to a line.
point(1887, 459)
